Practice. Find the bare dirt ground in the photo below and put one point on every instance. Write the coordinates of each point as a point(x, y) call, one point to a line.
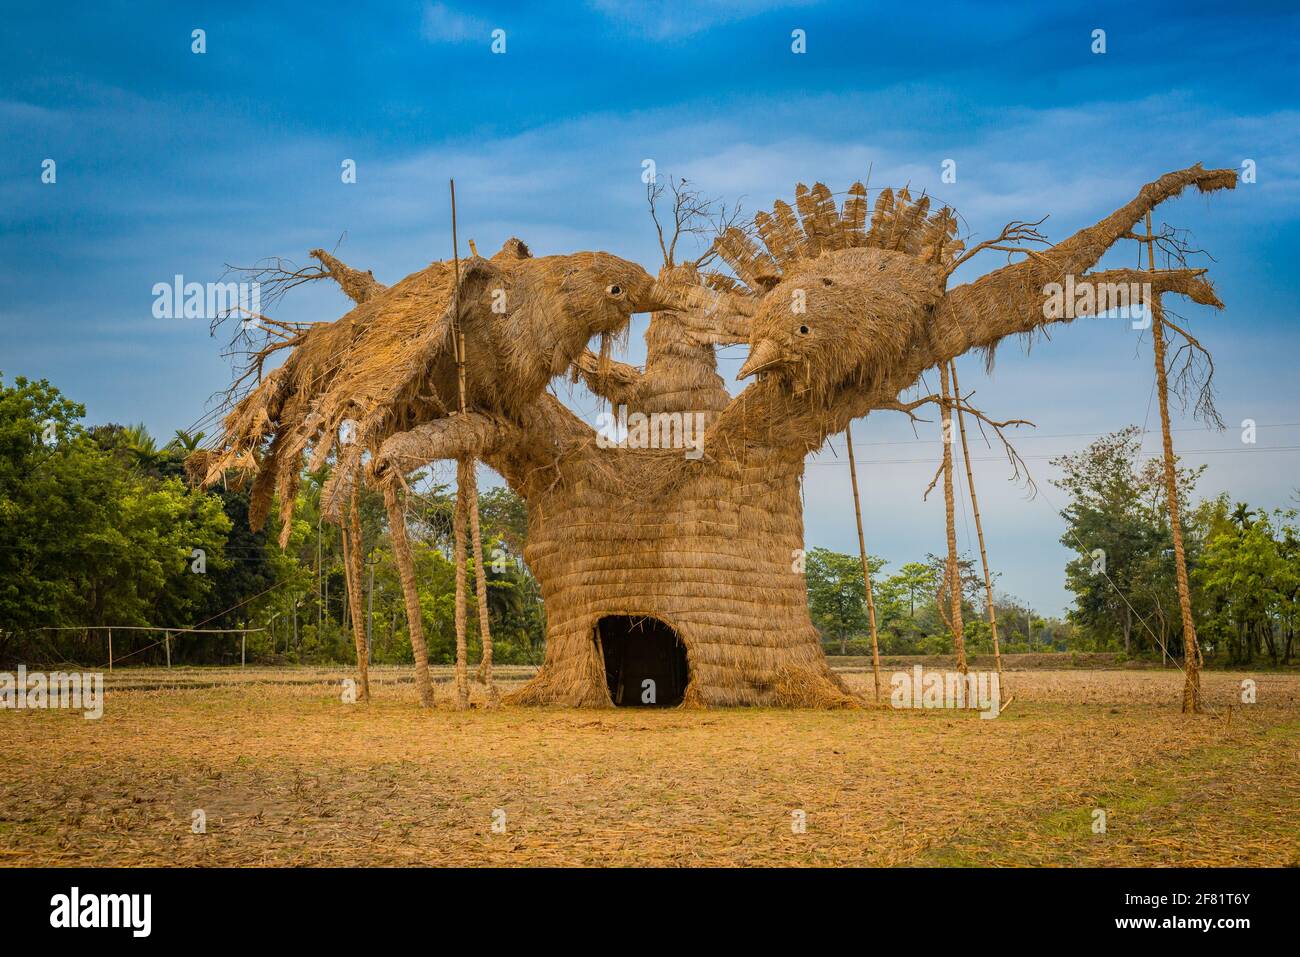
point(288, 774)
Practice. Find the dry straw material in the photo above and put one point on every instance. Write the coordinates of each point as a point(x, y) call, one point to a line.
point(843, 308)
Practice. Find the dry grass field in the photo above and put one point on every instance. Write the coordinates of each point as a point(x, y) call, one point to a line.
point(288, 774)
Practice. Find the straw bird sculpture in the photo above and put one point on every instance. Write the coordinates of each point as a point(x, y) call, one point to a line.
point(395, 360)
point(670, 578)
point(389, 363)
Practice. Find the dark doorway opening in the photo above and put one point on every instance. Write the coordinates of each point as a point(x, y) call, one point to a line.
point(638, 650)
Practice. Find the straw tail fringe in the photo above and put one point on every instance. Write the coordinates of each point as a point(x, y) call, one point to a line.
point(899, 223)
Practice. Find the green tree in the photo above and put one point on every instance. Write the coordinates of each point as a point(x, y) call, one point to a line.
point(89, 534)
point(1249, 576)
point(837, 597)
point(1117, 524)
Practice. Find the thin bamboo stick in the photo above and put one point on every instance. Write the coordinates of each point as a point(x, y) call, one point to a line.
point(979, 526)
point(459, 517)
point(1191, 648)
point(954, 568)
point(458, 561)
point(866, 569)
point(467, 500)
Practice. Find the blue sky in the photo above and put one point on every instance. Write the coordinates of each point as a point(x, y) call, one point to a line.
point(172, 162)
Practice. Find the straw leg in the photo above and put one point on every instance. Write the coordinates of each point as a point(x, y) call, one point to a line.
point(411, 593)
point(467, 479)
point(352, 578)
point(458, 561)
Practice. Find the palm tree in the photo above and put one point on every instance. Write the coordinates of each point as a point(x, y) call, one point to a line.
point(1243, 515)
point(139, 440)
point(186, 442)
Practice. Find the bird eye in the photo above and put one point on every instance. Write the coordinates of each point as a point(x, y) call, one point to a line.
point(803, 330)
point(614, 290)
point(827, 282)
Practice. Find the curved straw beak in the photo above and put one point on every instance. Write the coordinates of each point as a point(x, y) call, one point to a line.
point(762, 356)
point(662, 297)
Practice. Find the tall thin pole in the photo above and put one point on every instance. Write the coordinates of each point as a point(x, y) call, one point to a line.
point(459, 517)
point(458, 523)
point(455, 306)
point(866, 568)
point(953, 567)
point(979, 527)
point(467, 515)
point(1191, 648)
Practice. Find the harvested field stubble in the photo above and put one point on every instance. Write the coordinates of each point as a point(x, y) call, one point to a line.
point(287, 774)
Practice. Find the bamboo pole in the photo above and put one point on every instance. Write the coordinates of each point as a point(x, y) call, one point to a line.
point(410, 592)
point(954, 568)
point(979, 527)
point(110, 651)
point(462, 503)
point(467, 513)
point(866, 568)
point(1191, 648)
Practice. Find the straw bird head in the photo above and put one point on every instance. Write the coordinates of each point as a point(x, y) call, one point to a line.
point(600, 292)
point(833, 317)
point(837, 299)
point(541, 312)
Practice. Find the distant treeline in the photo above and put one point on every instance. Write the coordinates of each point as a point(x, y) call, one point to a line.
point(1243, 564)
point(98, 527)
